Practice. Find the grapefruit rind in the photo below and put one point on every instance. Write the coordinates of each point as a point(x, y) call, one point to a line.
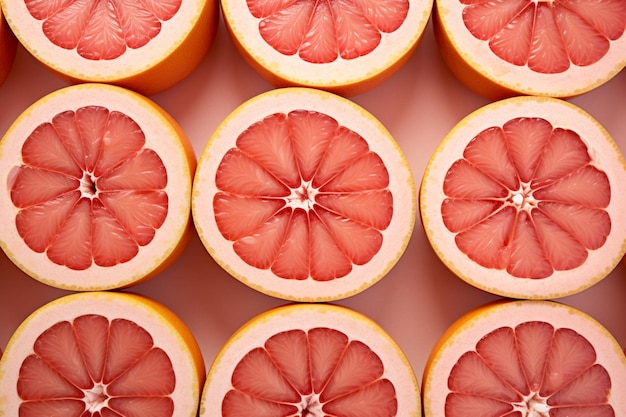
point(348, 114)
point(160, 64)
point(344, 77)
point(162, 134)
point(355, 325)
point(605, 154)
point(479, 69)
point(467, 330)
point(168, 331)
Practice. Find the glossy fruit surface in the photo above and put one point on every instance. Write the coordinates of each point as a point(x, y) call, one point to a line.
point(101, 354)
point(98, 185)
point(522, 198)
point(147, 46)
point(346, 47)
point(525, 358)
point(557, 48)
point(311, 360)
point(304, 195)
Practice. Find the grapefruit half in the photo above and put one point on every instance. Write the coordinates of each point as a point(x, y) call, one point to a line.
point(523, 198)
point(304, 195)
point(97, 187)
point(525, 358)
point(101, 354)
point(8, 48)
point(147, 46)
point(558, 48)
point(311, 360)
point(346, 47)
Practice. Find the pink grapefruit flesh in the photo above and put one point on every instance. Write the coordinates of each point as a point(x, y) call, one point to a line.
point(303, 195)
point(310, 360)
point(525, 358)
point(101, 192)
point(540, 209)
point(522, 199)
point(314, 195)
point(101, 29)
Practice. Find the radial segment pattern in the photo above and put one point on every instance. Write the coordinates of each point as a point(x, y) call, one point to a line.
point(93, 367)
point(88, 191)
point(527, 198)
point(534, 370)
point(327, 30)
point(303, 196)
point(546, 35)
point(315, 373)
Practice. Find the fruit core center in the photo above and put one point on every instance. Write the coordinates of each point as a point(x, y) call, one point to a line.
point(302, 196)
point(88, 185)
point(95, 398)
point(311, 406)
point(522, 198)
point(533, 406)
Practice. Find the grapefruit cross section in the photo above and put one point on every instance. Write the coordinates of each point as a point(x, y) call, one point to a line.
point(527, 358)
point(343, 46)
point(529, 203)
point(102, 354)
point(558, 48)
point(144, 45)
point(98, 185)
point(310, 360)
point(299, 199)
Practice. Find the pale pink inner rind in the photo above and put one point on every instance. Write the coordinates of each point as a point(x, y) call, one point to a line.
point(323, 31)
point(532, 369)
point(102, 29)
point(88, 190)
point(526, 198)
point(315, 372)
point(95, 367)
point(303, 196)
point(547, 36)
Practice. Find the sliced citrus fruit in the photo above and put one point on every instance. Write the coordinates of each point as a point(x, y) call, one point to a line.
point(304, 195)
point(311, 360)
point(532, 47)
point(147, 46)
point(523, 198)
point(97, 188)
point(346, 47)
point(101, 354)
point(525, 358)
point(8, 48)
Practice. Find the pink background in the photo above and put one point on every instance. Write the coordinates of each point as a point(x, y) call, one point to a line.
point(419, 298)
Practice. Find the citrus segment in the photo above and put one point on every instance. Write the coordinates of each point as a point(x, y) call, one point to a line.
point(525, 358)
point(554, 48)
point(147, 46)
point(101, 354)
point(521, 199)
point(98, 188)
point(303, 195)
point(311, 360)
point(346, 47)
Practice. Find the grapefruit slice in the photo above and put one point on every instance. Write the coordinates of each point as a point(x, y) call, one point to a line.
point(525, 358)
point(304, 195)
point(346, 47)
point(97, 188)
point(311, 360)
point(523, 199)
point(147, 46)
point(8, 48)
point(527, 47)
point(101, 354)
